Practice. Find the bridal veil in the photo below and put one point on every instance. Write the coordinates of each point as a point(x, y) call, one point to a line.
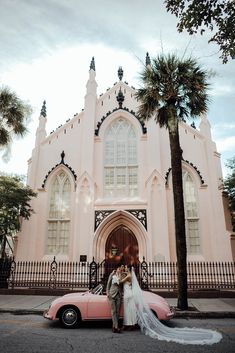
point(152, 327)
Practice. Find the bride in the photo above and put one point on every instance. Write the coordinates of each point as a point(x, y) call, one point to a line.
point(136, 310)
point(130, 314)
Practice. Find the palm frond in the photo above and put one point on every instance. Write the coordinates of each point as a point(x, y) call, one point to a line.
point(162, 116)
point(173, 84)
point(14, 114)
point(4, 136)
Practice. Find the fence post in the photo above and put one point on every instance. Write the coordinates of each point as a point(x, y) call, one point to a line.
point(144, 274)
point(12, 275)
point(53, 272)
point(93, 274)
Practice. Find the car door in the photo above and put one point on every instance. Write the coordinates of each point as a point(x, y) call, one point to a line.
point(98, 307)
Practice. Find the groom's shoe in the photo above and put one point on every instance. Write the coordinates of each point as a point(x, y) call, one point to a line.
point(116, 330)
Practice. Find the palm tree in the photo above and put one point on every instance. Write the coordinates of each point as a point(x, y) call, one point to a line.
point(173, 90)
point(15, 200)
point(13, 116)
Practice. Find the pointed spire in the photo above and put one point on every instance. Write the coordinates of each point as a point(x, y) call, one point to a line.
point(120, 98)
point(92, 64)
point(120, 73)
point(41, 129)
point(205, 127)
point(44, 109)
point(147, 59)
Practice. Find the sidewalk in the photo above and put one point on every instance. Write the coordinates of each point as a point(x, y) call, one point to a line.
point(198, 308)
point(206, 307)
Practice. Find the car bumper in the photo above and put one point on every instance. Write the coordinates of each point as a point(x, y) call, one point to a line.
point(47, 315)
point(170, 314)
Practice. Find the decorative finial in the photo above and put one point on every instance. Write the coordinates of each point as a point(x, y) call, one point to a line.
point(92, 64)
point(44, 109)
point(120, 73)
point(147, 59)
point(193, 125)
point(62, 157)
point(120, 98)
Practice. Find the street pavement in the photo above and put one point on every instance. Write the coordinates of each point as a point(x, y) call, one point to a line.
point(34, 334)
point(198, 307)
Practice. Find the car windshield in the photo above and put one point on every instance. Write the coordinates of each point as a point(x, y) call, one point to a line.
point(98, 290)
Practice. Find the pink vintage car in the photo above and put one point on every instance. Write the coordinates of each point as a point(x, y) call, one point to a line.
point(93, 305)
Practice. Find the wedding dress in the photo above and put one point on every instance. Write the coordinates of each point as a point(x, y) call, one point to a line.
point(130, 317)
point(152, 327)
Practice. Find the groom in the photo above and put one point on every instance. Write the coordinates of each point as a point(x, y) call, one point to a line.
point(113, 291)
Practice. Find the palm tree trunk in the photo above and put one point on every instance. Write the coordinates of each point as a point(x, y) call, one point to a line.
point(181, 252)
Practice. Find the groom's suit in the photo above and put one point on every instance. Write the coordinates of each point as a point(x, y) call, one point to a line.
point(114, 295)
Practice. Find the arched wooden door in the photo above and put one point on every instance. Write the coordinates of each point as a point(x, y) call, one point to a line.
point(121, 247)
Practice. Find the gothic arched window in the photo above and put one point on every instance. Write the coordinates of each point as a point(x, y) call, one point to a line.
point(191, 214)
point(120, 160)
point(59, 215)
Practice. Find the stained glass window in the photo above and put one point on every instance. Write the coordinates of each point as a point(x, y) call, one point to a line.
point(59, 215)
point(191, 214)
point(120, 160)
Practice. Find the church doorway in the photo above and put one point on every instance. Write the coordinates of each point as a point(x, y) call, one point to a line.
point(121, 247)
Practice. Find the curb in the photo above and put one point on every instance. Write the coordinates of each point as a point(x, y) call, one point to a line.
point(205, 314)
point(22, 311)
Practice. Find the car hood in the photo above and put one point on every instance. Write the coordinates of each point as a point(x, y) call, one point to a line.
point(75, 295)
point(69, 297)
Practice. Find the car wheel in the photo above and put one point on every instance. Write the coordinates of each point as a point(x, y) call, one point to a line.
point(69, 317)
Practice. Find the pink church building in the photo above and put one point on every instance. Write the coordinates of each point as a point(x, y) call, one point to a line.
point(104, 186)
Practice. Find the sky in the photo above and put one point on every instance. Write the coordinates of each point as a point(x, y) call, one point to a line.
point(46, 47)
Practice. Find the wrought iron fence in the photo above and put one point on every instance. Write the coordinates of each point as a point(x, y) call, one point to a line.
point(79, 275)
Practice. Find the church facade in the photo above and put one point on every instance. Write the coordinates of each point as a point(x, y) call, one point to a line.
point(104, 188)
